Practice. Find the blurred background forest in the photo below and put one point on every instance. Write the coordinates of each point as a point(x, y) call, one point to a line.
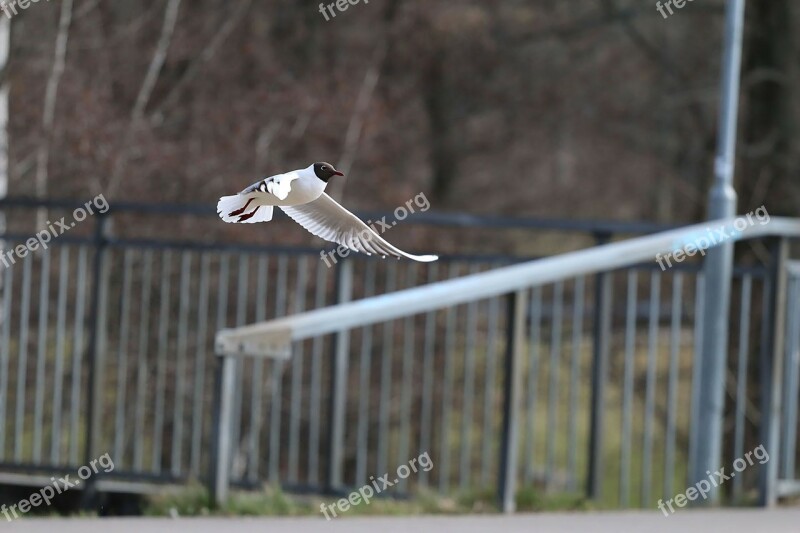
point(581, 109)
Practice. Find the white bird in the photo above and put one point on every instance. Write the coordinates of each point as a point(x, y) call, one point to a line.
point(301, 195)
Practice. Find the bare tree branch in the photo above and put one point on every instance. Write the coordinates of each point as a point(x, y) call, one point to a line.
point(5, 49)
point(85, 9)
point(205, 56)
point(264, 142)
point(352, 139)
point(150, 79)
point(49, 113)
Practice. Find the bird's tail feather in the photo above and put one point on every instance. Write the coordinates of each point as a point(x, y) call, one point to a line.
point(240, 208)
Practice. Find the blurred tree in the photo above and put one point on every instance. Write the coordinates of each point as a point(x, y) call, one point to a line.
point(545, 108)
point(770, 152)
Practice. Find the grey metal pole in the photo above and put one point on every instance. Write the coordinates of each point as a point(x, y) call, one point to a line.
point(226, 382)
point(512, 399)
point(719, 262)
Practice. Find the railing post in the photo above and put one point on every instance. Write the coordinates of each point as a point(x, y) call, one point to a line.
point(96, 357)
point(772, 360)
point(338, 400)
point(512, 398)
point(602, 334)
point(222, 424)
point(718, 274)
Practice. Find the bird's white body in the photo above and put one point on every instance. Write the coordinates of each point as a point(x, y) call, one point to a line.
point(291, 188)
point(301, 195)
point(301, 186)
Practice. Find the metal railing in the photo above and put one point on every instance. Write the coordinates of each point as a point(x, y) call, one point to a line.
point(578, 405)
point(106, 344)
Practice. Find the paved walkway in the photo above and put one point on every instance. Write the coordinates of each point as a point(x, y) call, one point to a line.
point(715, 521)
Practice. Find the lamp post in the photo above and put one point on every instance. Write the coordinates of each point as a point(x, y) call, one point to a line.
point(718, 268)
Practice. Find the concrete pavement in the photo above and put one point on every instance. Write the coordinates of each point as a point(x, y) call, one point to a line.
point(706, 521)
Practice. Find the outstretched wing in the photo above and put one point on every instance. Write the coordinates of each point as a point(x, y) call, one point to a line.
point(278, 186)
point(327, 219)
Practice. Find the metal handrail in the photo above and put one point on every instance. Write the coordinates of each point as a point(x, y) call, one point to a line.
point(273, 338)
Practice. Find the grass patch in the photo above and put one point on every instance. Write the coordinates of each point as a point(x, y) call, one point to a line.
point(196, 501)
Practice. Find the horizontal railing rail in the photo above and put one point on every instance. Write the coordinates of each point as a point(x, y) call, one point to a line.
point(274, 338)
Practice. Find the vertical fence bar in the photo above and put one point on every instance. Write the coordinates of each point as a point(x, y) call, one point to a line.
point(315, 400)
point(426, 415)
point(257, 379)
point(142, 367)
point(5, 349)
point(364, 371)
point(405, 391)
point(489, 406)
point(219, 379)
point(627, 390)
point(41, 359)
point(512, 398)
point(574, 382)
point(602, 338)
point(122, 362)
point(61, 341)
point(699, 328)
point(650, 386)
point(200, 367)
point(77, 353)
point(223, 413)
point(469, 393)
point(447, 391)
point(792, 366)
point(277, 379)
point(533, 378)
point(386, 378)
point(741, 378)
point(22, 360)
point(176, 457)
point(161, 362)
point(95, 355)
point(297, 375)
point(793, 353)
point(553, 382)
point(672, 382)
point(772, 372)
point(339, 381)
point(242, 299)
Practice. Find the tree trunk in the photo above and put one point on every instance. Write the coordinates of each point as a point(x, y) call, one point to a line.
point(770, 171)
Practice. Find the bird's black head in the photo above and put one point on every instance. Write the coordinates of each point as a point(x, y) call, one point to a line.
point(325, 171)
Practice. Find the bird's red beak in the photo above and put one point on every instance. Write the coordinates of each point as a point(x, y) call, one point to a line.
point(337, 173)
